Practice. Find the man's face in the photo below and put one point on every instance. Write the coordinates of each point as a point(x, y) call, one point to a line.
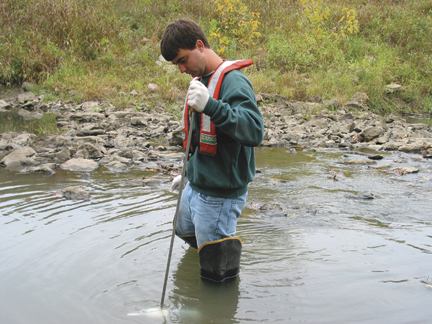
point(190, 61)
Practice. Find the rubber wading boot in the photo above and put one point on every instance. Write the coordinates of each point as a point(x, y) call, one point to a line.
point(189, 239)
point(220, 260)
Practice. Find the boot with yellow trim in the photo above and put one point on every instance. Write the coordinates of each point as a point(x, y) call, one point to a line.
point(220, 260)
point(189, 239)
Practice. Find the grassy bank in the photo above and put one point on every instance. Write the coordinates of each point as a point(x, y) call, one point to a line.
point(302, 48)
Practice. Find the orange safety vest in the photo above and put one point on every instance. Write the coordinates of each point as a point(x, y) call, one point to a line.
point(207, 136)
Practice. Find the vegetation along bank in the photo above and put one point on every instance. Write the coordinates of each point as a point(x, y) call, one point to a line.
point(108, 49)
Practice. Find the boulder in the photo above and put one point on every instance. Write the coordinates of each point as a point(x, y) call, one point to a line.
point(19, 157)
point(25, 97)
point(411, 148)
point(79, 165)
point(4, 105)
point(372, 132)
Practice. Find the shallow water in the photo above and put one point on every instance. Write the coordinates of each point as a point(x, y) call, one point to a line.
point(416, 118)
point(314, 256)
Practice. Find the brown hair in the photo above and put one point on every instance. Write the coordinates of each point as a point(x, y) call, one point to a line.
point(181, 33)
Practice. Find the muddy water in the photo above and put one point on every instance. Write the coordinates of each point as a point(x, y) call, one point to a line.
point(312, 252)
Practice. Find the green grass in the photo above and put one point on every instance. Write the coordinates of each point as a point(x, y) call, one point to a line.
point(99, 48)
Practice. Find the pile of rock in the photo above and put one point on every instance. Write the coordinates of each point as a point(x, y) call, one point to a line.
point(92, 134)
point(287, 124)
point(97, 134)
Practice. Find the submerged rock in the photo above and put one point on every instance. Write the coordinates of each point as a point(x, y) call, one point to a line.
point(362, 195)
point(75, 193)
point(382, 166)
point(281, 208)
point(47, 168)
point(116, 166)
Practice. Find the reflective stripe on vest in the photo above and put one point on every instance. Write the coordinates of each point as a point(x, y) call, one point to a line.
point(208, 140)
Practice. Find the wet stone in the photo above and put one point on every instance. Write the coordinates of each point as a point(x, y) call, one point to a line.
point(75, 193)
point(363, 195)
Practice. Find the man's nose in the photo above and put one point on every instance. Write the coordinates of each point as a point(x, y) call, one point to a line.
point(182, 68)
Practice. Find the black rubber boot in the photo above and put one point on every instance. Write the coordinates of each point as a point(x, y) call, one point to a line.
point(220, 260)
point(189, 239)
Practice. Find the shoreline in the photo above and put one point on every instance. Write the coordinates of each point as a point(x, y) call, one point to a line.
point(97, 133)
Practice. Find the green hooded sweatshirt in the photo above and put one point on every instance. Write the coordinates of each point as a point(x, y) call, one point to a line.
point(239, 128)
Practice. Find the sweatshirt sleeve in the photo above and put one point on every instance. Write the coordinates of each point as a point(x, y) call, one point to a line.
point(236, 112)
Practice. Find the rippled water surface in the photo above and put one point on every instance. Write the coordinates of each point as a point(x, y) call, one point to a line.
point(312, 251)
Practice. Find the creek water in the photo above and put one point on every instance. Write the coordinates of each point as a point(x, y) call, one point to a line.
point(312, 251)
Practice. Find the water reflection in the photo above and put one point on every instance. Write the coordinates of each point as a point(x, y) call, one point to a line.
point(418, 119)
point(202, 301)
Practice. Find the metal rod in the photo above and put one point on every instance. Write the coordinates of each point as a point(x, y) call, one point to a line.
point(178, 206)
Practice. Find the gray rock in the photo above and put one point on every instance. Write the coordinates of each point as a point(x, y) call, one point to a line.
point(19, 157)
point(47, 168)
point(43, 143)
point(14, 140)
point(370, 133)
point(382, 166)
point(116, 166)
point(91, 106)
point(404, 170)
point(399, 132)
point(92, 130)
point(347, 116)
point(26, 97)
point(87, 117)
point(79, 165)
point(362, 195)
point(4, 105)
point(353, 104)
point(138, 121)
point(177, 138)
point(28, 86)
point(361, 162)
point(411, 148)
point(76, 193)
point(362, 98)
point(91, 152)
point(54, 156)
point(375, 156)
point(392, 146)
point(393, 87)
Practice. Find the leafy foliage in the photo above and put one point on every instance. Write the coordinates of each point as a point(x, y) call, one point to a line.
point(321, 27)
point(237, 25)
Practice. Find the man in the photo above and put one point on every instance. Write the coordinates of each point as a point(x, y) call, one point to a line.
point(227, 127)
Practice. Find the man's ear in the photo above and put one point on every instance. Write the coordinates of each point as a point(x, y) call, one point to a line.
point(199, 45)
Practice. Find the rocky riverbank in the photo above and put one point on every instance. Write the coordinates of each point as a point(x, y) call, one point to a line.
point(97, 134)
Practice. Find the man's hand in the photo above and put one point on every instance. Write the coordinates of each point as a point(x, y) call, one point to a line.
point(175, 185)
point(198, 95)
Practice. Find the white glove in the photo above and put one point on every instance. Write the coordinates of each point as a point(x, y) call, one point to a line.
point(198, 95)
point(175, 185)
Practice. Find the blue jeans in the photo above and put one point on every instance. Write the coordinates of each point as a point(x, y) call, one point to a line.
point(208, 218)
